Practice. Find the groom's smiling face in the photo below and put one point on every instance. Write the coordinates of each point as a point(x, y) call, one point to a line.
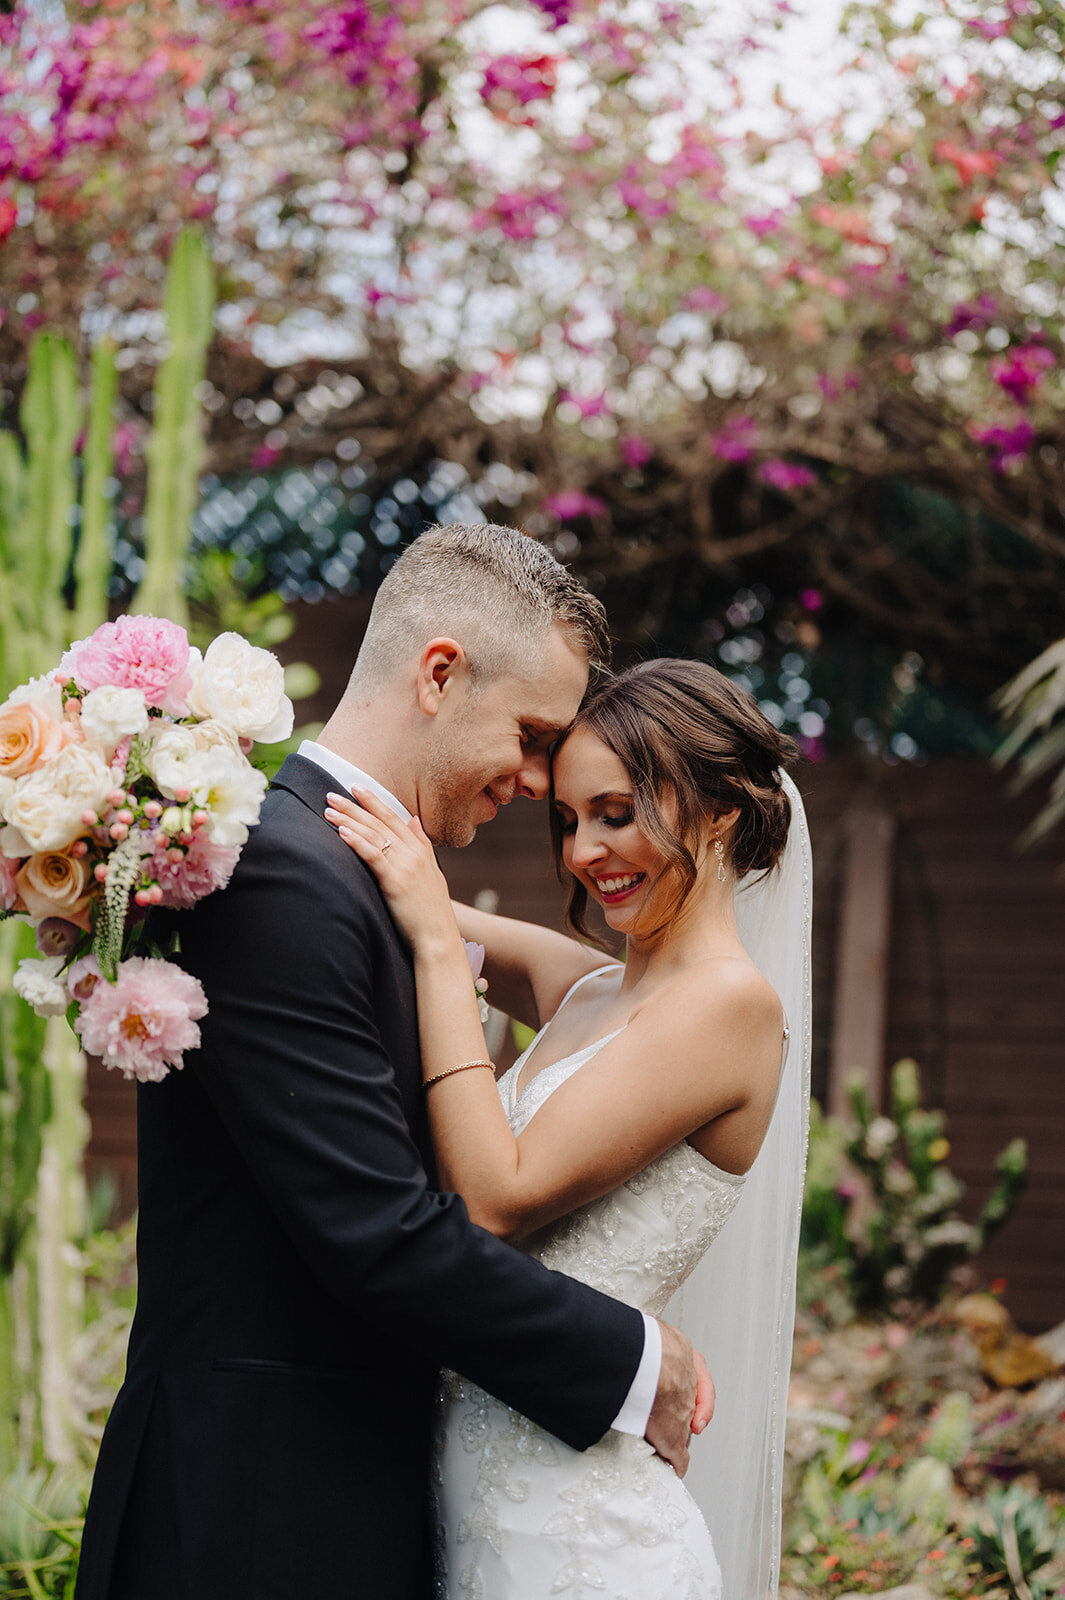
point(492, 743)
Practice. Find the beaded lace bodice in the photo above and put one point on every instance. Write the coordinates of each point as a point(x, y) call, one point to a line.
point(639, 1242)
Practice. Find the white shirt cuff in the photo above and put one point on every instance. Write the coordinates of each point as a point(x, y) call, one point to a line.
point(635, 1413)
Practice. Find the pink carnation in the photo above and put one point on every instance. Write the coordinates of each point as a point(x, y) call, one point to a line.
point(8, 886)
point(203, 868)
point(143, 1023)
point(146, 653)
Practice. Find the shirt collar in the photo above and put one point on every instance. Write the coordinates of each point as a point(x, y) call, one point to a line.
point(350, 777)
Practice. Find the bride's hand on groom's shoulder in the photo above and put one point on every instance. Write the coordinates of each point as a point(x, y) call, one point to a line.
point(401, 858)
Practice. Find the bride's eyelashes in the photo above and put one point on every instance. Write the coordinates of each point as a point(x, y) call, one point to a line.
point(616, 819)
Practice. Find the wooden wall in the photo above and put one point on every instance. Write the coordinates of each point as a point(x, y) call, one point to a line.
point(975, 975)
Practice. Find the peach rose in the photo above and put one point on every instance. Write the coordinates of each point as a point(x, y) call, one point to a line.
point(56, 884)
point(29, 736)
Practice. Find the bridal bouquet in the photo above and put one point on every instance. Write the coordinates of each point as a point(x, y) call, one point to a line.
point(125, 784)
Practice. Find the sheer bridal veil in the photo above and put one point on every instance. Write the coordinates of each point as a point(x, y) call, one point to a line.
point(738, 1306)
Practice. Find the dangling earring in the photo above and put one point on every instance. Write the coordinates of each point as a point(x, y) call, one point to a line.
point(719, 851)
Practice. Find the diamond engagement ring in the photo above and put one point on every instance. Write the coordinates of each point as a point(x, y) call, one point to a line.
point(386, 847)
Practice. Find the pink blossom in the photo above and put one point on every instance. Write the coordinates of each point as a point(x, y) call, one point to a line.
point(786, 475)
point(589, 405)
point(769, 222)
point(703, 298)
point(737, 440)
point(635, 452)
point(146, 653)
point(512, 80)
point(203, 868)
point(263, 456)
point(859, 1452)
point(558, 11)
point(569, 504)
point(1021, 371)
point(1007, 446)
point(8, 886)
point(811, 599)
point(144, 1022)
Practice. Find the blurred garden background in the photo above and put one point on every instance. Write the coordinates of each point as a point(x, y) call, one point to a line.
point(753, 312)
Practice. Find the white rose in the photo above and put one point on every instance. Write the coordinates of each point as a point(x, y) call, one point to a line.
point(47, 805)
point(244, 687)
point(38, 984)
point(232, 794)
point(110, 714)
point(7, 789)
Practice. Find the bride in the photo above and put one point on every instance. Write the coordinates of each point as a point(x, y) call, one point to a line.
point(660, 1105)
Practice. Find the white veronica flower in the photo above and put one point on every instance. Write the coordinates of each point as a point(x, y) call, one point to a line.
point(110, 714)
point(243, 687)
point(38, 984)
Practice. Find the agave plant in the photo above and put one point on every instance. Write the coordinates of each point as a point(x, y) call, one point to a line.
point(1031, 705)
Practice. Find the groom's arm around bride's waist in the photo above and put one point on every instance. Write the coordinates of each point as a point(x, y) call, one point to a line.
point(310, 1060)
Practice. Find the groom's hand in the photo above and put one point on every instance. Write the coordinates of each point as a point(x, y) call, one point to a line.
point(684, 1402)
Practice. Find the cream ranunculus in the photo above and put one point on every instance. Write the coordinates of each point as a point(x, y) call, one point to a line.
point(57, 884)
point(244, 688)
point(232, 794)
point(38, 984)
point(46, 806)
point(110, 714)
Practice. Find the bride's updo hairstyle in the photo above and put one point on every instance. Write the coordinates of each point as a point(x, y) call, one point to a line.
point(691, 740)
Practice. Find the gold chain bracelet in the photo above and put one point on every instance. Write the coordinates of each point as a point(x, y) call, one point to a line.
point(465, 1067)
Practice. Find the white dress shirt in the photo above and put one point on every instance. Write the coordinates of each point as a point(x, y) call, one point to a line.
point(636, 1409)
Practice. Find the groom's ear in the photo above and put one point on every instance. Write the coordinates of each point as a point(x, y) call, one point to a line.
point(442, 668)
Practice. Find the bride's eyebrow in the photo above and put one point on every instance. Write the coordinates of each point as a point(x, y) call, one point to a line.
point(611, 794)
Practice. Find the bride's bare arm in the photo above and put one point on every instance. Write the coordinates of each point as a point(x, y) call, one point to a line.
point(699, 1051)
point(528, 968)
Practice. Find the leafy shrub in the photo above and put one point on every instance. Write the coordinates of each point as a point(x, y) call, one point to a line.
point(880, 1214)
point(1015, 1541)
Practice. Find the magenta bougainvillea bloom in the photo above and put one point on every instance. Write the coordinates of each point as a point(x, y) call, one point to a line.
point(786, 475)
point(569, 504)
point(1007, 445)
point(635, 452)
point(1021, 371)
point(737, 440)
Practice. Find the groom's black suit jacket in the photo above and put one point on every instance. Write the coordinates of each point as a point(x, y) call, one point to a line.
point(300, 1281)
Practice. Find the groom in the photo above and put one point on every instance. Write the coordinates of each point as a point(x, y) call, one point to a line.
point(301, 1282)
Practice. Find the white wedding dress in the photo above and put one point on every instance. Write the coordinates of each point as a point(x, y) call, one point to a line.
point(522, 1516)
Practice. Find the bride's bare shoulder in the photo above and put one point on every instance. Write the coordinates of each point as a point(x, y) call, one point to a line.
point(721, 998)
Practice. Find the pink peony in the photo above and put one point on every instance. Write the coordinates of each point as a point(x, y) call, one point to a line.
point(143, 1023)
point(146, 653)
point(204, 868)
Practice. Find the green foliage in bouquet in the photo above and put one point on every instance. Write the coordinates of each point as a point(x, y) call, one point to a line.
point(880, 1215)
point(1016, 1541)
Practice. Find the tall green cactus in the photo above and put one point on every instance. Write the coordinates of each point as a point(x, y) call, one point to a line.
point(42, 1125)
point(175, 451)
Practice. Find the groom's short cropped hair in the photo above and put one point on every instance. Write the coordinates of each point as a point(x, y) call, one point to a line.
point(496, 591)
